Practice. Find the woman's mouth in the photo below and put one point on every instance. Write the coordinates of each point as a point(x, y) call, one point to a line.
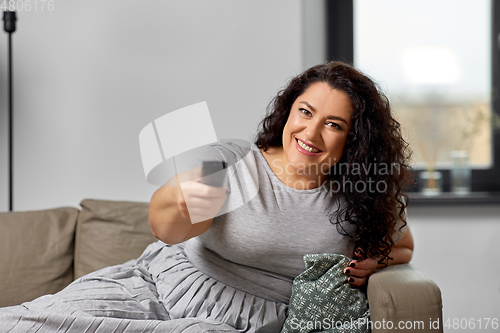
point(303, 147)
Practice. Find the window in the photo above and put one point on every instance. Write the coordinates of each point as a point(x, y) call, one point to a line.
point(436, 61)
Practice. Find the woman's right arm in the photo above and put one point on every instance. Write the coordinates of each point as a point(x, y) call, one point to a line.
point(170, 218)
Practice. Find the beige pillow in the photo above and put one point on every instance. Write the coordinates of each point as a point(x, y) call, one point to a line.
point(110, 233)
point(36, 253)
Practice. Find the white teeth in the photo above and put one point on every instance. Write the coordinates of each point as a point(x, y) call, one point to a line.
point(306, 147)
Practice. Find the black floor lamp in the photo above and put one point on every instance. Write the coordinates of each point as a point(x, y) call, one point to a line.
point(9, 19)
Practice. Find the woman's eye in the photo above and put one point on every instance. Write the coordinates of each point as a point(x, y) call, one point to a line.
point(305, 112)
point(334, 125)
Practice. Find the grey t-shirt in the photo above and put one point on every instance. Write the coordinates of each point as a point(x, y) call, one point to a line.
point(258, 243)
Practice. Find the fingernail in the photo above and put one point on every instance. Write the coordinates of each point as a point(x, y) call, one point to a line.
point(352, 264)
point(350, 280)
point(347, 271)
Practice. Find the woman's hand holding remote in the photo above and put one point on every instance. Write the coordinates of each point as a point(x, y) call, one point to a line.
point(197, 201)
point(184, 207)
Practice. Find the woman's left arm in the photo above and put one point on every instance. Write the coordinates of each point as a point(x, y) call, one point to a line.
point(402, 251)
point(360, 270)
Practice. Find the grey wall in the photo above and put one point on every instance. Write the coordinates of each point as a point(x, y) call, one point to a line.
point(314, 32)
point(459, 248)
point(89, 75)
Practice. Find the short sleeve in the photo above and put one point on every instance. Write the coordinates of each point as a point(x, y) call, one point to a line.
point(240, 176)
point(228, 151)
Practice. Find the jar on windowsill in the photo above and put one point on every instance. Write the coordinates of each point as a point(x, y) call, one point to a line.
point(432, 182)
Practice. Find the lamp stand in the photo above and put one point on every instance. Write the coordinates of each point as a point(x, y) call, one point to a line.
point(9, 19)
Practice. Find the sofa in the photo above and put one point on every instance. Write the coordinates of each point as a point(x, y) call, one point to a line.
point(43, 251)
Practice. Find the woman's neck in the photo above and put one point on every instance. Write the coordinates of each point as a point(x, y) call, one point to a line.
point(276, 159)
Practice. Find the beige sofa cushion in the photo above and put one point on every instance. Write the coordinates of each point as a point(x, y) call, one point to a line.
point(110, 233)
point(36, 253)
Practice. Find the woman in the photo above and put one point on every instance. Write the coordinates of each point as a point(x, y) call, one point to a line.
point(365, 143)
point(331, 115)
point(232, 257)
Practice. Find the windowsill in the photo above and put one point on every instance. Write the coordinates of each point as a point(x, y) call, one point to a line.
point(448, 198)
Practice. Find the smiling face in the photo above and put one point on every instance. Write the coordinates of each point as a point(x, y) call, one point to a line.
point(315, 133)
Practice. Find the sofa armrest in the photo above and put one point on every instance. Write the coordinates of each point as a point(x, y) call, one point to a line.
point(401, 296)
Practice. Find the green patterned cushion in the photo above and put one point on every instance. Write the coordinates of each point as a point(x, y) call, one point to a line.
point(323, 301)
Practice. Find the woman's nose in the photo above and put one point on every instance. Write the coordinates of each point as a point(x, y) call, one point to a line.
point(312, 130)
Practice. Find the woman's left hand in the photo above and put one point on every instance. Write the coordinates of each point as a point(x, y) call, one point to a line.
point(360, 270)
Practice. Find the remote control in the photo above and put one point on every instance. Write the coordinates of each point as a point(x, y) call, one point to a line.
point(214, 173)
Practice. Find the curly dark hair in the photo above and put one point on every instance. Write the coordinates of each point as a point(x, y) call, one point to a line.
point(374, 139)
